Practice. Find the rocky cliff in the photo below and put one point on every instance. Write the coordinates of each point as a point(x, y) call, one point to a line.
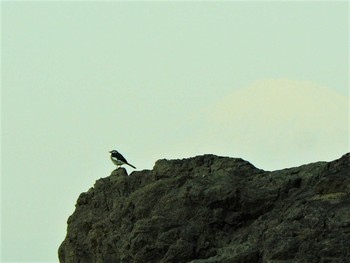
point(210, 209)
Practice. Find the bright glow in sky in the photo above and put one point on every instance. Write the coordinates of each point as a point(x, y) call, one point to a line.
point(265, 81)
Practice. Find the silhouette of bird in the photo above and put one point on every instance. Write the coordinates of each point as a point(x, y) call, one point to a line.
point(119, 159)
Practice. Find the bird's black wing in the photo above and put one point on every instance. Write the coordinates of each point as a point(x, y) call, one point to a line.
point(119, 157)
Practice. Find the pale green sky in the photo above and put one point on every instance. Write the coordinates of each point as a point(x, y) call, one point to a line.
point(81, 78)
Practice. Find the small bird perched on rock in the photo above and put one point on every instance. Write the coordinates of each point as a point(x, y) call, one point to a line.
point(118, 159)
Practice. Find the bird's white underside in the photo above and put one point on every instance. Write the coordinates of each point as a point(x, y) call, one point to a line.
point(116, 161)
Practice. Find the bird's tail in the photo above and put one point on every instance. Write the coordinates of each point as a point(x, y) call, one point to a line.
point(131, 165)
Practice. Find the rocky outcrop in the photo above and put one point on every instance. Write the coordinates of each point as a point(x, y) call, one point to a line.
point(210, 209)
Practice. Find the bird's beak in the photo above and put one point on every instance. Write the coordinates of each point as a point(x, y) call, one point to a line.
point(110, 151)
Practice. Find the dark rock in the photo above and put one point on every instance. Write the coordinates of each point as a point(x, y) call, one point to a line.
point(210, 209)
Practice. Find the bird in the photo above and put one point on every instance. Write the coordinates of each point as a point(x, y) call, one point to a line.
point(119, 159)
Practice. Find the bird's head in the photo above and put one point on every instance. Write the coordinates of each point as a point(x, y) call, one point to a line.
point(113, 151)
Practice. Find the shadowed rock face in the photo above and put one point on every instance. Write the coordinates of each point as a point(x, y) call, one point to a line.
point(214, 209)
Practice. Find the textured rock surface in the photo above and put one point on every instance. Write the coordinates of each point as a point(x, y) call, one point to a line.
point(214, 209)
